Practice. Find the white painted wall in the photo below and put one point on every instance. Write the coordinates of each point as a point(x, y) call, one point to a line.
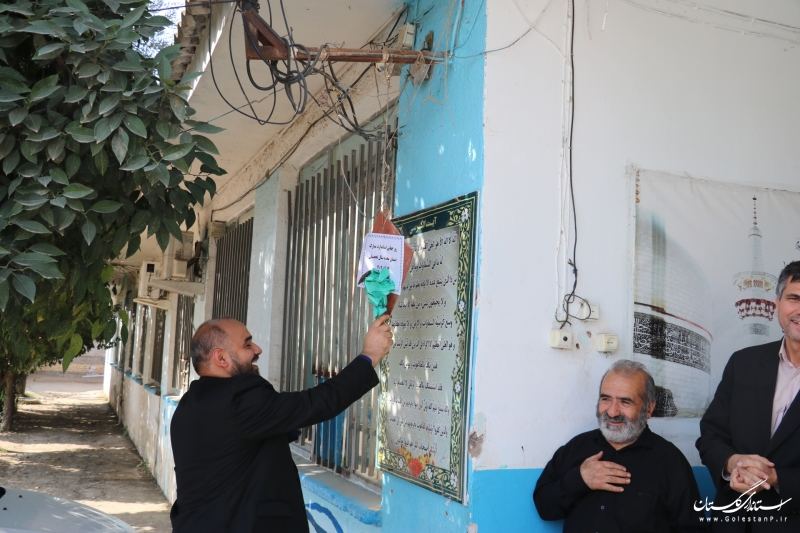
point(678, 92)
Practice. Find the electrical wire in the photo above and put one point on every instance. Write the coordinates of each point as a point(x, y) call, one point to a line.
point(531, 27)
point(283, 159)
point(389, 38)
point(214, 77)
point(472, 27)
point(570, 297)
point(290, 77)
point(287, 78)
point(291, 151)
point(292, 73)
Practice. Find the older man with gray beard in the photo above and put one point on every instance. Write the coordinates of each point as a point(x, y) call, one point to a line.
point(621, 477)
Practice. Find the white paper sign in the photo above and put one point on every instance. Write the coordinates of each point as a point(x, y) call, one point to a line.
point(383, 251)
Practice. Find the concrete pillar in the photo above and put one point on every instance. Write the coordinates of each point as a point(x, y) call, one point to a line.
point(268, 269)
point(168, 364)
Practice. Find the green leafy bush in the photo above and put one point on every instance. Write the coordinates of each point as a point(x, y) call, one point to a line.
point(96, 146)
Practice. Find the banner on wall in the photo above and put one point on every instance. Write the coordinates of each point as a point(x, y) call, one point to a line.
point(425, 378)
point(707, 257)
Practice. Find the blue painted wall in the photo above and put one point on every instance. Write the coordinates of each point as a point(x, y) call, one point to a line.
point(502, 500)
point(440, 153)
point(440, 156)
point(406, 508)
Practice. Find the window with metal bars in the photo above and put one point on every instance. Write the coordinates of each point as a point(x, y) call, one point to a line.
point(121, 349)
point(130, 347)
point(232, 274)
point(157, 360)
point(325, 315)
point(183, 337)
point(146, 313)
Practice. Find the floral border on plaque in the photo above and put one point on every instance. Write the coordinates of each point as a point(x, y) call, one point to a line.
point(420, 470)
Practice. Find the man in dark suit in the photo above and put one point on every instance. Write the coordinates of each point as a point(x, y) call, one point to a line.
point(750, 434)
point(231, 432)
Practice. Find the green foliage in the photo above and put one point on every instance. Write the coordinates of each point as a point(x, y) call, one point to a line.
point(94, 148)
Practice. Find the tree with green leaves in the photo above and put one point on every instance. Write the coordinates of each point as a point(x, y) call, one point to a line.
point(166, 35)
point(96, 148)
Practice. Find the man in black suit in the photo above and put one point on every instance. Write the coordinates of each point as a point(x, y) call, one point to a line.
point(231, 432)
point(750, 434)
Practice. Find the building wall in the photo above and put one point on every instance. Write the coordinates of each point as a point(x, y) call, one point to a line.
point(146, 417)
point(689, 91)
point(440, 156)
point(683, 95)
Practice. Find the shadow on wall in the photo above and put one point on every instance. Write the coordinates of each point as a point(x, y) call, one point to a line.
point(321, 519)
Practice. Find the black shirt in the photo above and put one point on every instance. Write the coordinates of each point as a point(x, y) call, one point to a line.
point(660, 496)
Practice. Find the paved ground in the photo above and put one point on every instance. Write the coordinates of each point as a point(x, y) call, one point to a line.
point(67, 443)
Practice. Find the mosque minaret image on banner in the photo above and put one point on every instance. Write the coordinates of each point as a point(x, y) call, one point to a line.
point(755, 291)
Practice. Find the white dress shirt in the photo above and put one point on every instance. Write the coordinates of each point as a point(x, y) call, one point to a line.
point(785, 388)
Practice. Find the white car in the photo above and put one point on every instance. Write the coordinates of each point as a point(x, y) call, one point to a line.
point(25, 511)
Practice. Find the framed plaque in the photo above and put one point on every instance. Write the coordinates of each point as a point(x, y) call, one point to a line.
point(425, 378)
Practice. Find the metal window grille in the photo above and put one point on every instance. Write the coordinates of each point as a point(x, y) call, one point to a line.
point(183, 338)
point(117, 357)
point(325, 315)
point(146, 312)
point(121, 349)
point(232, 276)
point(131, 346)
point(157, 361)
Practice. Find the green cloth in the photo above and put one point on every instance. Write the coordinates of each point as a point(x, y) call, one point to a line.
point(378, 285)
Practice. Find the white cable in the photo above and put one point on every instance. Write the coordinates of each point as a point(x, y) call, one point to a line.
point(565, 172)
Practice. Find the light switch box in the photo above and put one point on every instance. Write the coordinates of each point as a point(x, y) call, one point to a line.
point(606, 342)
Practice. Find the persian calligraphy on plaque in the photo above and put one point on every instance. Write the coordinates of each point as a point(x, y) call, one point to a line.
point(425, 378)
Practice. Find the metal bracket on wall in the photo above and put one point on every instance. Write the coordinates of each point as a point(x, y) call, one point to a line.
point(187, 288)
point(166, 305)
point(271, 47)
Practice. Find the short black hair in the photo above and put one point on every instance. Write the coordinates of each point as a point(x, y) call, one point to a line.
point(790, 272)
point(208, 336)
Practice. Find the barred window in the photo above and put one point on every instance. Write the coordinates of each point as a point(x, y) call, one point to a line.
point(232, 274)
point(325, 315)
point(183, 337)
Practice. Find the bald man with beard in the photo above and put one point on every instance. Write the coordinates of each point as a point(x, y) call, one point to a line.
point(231, 431)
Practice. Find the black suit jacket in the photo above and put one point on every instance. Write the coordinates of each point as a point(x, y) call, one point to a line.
point(739, 420)
point(233, 466)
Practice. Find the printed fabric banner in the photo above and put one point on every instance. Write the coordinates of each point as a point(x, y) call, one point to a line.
point(708, 255)
point(425, 378)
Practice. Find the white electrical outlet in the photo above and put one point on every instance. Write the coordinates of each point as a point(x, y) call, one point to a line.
point(588, 311)
point(606, 342)
point(561, 339)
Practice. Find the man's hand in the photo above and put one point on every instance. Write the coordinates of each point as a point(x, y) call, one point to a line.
point(599, 475)
point(379, 340)
point(749, 470)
